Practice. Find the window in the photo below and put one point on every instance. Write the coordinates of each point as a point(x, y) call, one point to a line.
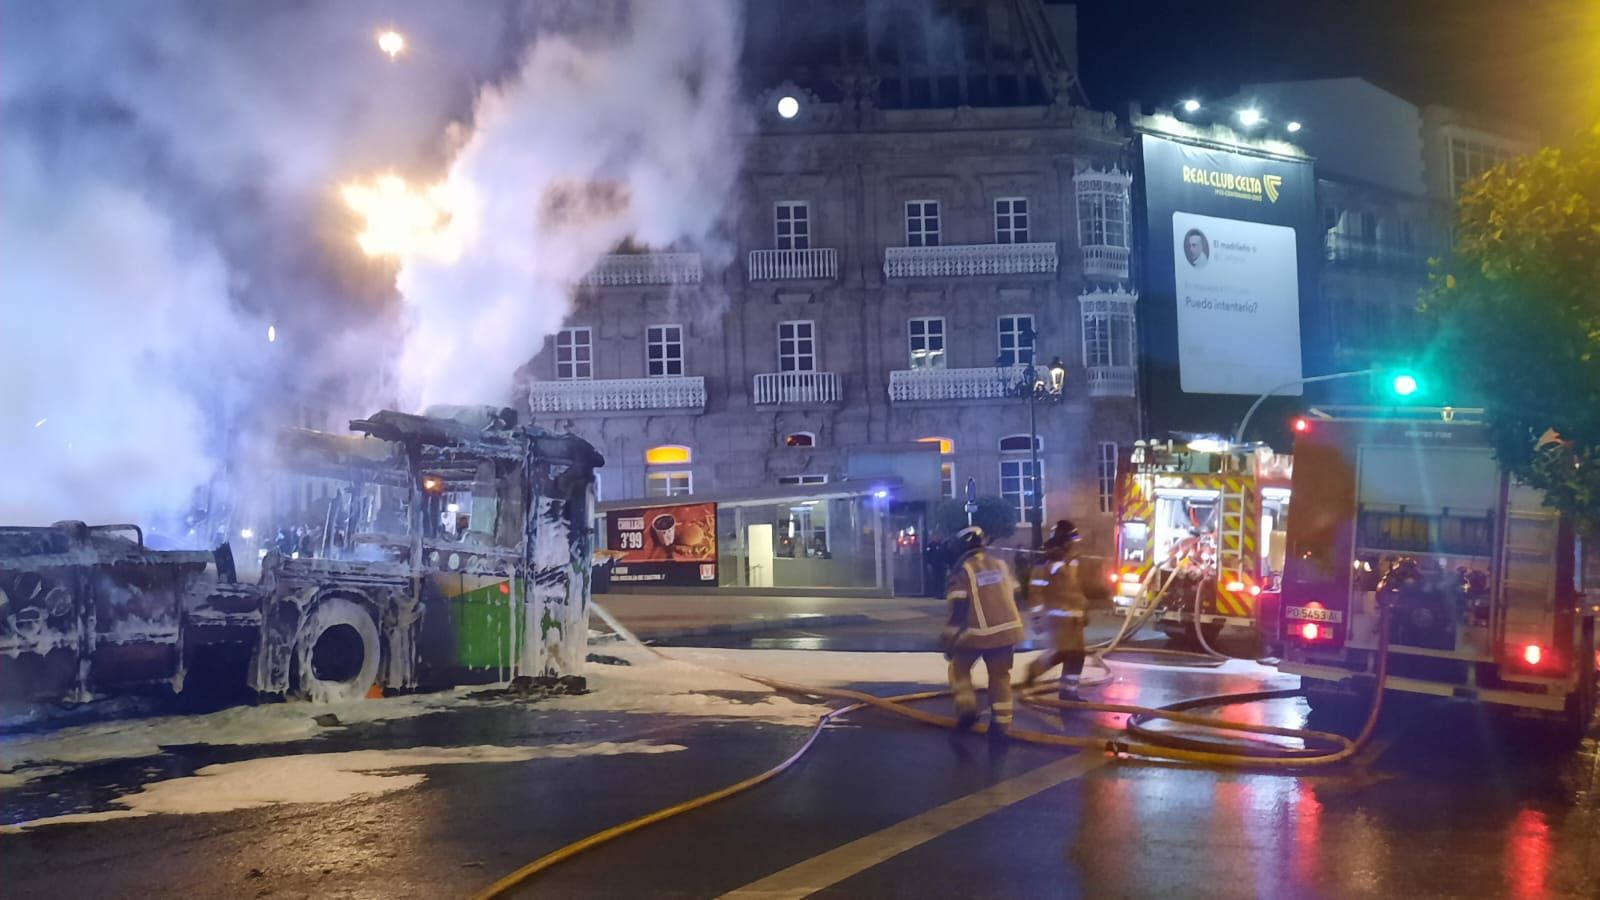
point(1017, 485)
point(1108, 476)
point(802, 479)
point(1102, 214)
point(922, 223)
point(792, 221)
point(1470, 158)
point(797, 349)
point(664, 351)
point(947, 469)
point(1011, 220)
point(927, 343)
point(1108, 334)
point(668, 484)
point(668, 454)
point(1016, 340)
point(800, 439)
point(574, 354)
point(1018, 443)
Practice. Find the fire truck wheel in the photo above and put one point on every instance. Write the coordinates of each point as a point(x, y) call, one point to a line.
point(1579, 713)
point(336, 657)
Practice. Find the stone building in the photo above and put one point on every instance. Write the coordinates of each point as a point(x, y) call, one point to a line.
point(938, 209)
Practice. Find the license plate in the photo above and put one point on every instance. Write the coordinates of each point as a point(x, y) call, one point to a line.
point(1313, 615)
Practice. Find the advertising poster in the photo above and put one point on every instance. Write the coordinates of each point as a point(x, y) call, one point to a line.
point(666, 545)
point(1229, 287)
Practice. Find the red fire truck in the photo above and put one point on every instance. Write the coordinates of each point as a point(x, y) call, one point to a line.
point(1200, 530)
point(1482, 580)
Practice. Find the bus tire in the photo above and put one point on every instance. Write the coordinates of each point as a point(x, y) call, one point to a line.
point(336, 657)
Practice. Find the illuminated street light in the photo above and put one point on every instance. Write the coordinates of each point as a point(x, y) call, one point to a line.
point(272, 333)
point(1191, 105)
point(788, 107)
point(1249, 116)
point(1292, 127)
point(401, 222)
point(391, 42)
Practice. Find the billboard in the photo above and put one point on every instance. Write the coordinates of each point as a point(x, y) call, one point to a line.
point(666, 545)
point(1228, 287)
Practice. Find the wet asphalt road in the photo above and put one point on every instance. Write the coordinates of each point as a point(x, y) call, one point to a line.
point(1446, 802)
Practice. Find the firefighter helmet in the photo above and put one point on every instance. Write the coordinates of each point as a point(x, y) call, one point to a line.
point(1063, 533)
point(970, 538)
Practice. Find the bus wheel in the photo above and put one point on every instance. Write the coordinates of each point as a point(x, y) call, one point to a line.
point(336, 657)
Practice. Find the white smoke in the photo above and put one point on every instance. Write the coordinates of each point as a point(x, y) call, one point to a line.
point(618, 131)
point(170, 174)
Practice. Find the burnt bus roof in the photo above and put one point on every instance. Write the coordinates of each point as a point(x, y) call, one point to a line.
point(503, 443)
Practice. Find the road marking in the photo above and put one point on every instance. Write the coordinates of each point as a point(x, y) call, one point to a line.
point(806, 878)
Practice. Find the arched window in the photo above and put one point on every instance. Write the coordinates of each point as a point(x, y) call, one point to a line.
point(661, 481)
point(1019, 443)
point(668, 454)
point(800, 439)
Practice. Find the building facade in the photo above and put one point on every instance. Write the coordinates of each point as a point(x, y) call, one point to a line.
point(1388, 205)
point(922, 228)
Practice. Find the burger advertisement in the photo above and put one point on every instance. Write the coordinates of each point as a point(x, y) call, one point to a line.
point(667, 545)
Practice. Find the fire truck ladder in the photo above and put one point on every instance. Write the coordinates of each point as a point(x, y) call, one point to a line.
point(1232, 558)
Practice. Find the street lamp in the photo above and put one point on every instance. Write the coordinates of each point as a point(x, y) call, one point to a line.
point(1238, 434)
point(1034, 384)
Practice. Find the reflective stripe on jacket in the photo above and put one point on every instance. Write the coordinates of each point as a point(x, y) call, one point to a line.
point(992, 617)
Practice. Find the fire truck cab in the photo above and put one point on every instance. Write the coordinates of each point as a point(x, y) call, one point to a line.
point(1484, 582)
point(1200, 534)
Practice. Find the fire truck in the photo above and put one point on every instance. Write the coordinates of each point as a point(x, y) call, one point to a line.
point(1482, 581)
point(1200, 539)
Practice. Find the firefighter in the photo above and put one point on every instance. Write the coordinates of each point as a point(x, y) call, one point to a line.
point(1054, 587)
point(984, 624)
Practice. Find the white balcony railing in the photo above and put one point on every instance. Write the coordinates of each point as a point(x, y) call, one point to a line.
point(969, 259)
point(617, 394)
point(621, 269)
point(1111, 381)
point(776, 265)
point(912, 385)
point(796, 387)
point(1105, 262)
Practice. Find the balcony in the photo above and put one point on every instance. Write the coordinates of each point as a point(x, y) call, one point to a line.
point(789, 265)
point(1105, 262)
point(1349, 250)
point(920, 385)
point(617, 395)
point(1111, 381)
point(969, 259)
point(625, 269)
point(796, 387)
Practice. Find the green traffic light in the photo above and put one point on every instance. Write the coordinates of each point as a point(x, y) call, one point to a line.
point(1404, 384)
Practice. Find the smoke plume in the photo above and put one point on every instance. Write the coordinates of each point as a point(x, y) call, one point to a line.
point(171, 174)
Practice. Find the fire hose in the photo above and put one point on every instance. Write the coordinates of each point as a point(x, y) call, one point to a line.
point(1151, 744)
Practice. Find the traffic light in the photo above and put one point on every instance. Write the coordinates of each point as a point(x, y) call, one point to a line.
point(1403, 383)
point(1397, 384)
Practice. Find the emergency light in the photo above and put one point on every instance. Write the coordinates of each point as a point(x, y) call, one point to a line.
point(1532, 654)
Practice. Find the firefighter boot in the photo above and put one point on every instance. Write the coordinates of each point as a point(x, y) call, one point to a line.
point(965, 697)
point(1067, 689)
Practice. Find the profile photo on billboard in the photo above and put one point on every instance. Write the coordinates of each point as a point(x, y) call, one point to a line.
point(1196, 248)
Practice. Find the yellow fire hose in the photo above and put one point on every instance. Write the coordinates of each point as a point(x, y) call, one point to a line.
point(1155, 744)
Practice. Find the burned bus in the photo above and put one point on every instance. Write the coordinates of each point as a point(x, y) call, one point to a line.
point(419, 553)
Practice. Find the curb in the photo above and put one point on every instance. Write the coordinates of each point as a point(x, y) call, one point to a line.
point(753, 625)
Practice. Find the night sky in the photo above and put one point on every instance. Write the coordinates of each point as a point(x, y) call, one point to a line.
point(1535, 62)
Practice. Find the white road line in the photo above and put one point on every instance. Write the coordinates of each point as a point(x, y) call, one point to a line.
point(806, 878)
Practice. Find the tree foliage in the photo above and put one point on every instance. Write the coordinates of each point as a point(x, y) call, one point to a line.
point(1517, 308)
point(995, 515)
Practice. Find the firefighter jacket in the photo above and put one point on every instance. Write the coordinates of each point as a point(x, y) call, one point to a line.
point(984, 586)
point(1053, 585)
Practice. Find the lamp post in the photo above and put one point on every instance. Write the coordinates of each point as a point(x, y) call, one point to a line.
point(1035, 384)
